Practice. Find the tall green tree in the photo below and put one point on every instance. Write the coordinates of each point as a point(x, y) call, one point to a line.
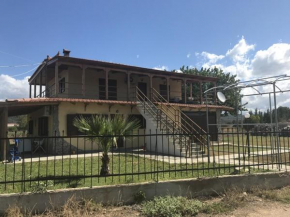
point(106, 131)
point(233, 96)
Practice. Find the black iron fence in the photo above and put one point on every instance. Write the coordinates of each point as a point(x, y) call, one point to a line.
point(42, 163)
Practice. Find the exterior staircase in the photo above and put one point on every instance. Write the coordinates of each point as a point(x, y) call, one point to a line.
point(168, 134)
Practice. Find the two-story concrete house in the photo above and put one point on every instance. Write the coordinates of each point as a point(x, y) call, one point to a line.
point(64, 87)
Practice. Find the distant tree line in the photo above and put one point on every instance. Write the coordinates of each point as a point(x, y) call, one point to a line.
point(265, 117)
point(21, 120)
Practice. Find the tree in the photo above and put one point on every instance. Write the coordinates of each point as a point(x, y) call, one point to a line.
point(232, 96)
point(106, 132)
point(22, 121)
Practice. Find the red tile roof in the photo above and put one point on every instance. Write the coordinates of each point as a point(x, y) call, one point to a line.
point(198, 106)
point(59, 100)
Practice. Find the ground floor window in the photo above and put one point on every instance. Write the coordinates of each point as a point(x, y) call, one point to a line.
point(141, 119)
point(71, 129)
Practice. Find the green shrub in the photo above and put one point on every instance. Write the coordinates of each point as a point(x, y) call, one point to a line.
point(139, 197)
point(171, 207)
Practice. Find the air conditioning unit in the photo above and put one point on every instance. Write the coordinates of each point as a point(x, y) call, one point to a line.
point(46, 111)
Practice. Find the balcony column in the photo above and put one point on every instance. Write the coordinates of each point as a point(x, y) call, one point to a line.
point(4, 146)
point(215, 102)
point(185, 100)
point(40, 85)
point(56, 83)
point(168, 91)
point(107, 84)
point(151, 87)
point(84, 81)
point(190, 91)
point(45, 82)
point(128, 85)
point(29, 90)
point(34, 88)
point(200, 91)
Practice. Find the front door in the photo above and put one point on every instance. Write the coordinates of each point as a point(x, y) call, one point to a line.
point(143, 88)
point(43, 126)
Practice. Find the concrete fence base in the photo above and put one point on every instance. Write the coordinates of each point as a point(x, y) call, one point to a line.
point(125, 193)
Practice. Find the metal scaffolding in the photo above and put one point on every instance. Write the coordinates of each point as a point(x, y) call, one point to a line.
point(254, 85)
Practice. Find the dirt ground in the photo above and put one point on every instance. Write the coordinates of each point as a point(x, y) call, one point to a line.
point(258, 208)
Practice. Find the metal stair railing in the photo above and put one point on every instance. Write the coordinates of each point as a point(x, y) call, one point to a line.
point(162, 119)
point(186, 123)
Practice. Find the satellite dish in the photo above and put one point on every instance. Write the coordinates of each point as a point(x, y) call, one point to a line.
point(221, 97)
point(247, 115)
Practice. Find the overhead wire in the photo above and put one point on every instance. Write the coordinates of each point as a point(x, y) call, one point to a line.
point(24, 72)
point(17, 66)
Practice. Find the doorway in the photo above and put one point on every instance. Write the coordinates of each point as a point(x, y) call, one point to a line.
point(143, 88)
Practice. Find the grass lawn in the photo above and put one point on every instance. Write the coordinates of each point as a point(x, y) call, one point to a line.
point(254, 141)
point(126, 165)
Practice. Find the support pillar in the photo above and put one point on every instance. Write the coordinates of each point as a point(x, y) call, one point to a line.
point(34, 88)
point(191, 90)
point(215, 101)
point(200, 91)
point(185, 100)
point(45, 82)
point(84, 81)
point(3, 134)
point(107, 84)
point(56, 82)
point(128, 85)
point(168, 91)
point(151, 87)
point(40, 85)
point(29, 90)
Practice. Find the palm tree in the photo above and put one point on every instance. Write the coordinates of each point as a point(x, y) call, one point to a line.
point(106, 131)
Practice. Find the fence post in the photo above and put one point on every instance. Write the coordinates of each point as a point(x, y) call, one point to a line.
point(248, 144)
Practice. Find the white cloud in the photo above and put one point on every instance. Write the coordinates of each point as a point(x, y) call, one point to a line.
point(239, 52)
point(161, 68)
point(273, 61)
point(243, 61)
point(11, 88)
point(188, 55)
point(211, 58)
point(178, 71)
point(235, 60)
point(138, 56)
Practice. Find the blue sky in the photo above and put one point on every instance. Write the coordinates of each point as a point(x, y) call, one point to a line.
point(163, 34)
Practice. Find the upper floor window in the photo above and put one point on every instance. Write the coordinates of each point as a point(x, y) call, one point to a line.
point(163, 90)
point(62, 85)
point(112, 89)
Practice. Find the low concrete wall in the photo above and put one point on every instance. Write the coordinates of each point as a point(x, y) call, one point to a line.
point(124, 193)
